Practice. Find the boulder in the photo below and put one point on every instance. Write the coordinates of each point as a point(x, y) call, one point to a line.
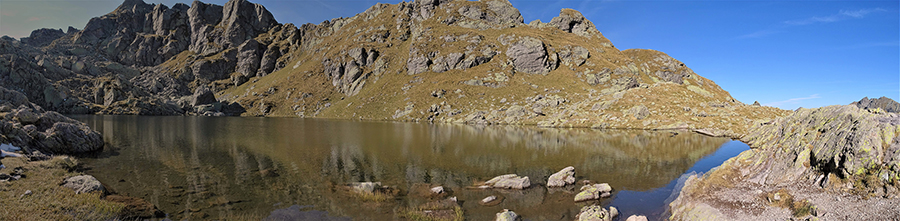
point(594, 213)
point(562, 178)
point(83, 184)
point(507, 215)
point(593, 191)
point(511, 181)
point(69, 138)
point(636, 218)
point(529, 56)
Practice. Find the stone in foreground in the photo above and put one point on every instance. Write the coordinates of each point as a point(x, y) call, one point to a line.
point(83, 184)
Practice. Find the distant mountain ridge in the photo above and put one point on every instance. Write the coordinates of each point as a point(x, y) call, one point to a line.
point(426, 60)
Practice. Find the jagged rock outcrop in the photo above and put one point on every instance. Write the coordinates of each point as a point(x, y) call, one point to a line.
point(43, 36)
point(574, 22)
point(838, 149)
point(884, 103)
point(26, 125)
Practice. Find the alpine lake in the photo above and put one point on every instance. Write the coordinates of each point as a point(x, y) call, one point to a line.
point(243, 168)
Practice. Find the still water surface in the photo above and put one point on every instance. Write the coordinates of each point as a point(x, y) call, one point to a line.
point(249, 168)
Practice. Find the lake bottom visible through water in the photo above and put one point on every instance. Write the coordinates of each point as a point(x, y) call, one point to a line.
point(202, 168)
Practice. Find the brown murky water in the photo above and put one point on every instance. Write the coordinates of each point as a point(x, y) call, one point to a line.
point(246, 168)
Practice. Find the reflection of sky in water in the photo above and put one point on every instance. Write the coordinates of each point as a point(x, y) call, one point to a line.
point(206, 168)
point(653, 202)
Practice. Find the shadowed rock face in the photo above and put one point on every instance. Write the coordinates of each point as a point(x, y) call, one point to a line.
point(24, 124)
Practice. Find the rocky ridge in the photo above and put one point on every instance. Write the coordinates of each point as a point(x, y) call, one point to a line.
point(427, 60)
point(817, 157)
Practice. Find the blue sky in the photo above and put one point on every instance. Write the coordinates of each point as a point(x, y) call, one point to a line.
point(786, 54)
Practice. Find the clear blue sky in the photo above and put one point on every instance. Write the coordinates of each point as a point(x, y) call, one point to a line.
point(786, 54)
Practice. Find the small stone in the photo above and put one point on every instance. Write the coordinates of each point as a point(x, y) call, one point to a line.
point(27, 192)
point(507, 215)
point(437, 190)
point(488, 199)
point(83, 184)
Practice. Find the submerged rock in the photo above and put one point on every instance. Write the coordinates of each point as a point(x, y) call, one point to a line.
point(562, 178)
point(135, 207)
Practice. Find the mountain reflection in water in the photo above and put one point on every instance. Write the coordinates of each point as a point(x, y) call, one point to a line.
point(213, 168)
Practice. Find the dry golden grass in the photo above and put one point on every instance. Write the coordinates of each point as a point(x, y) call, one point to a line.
point(48, 200)
point(305, 91)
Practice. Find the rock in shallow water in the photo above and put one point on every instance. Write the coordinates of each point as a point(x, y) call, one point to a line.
point(507, 215)
point(511, 181)
point(596, 213)
point(562, 178)
point(593, 191)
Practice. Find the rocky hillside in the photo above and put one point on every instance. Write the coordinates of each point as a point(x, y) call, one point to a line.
point(812, 160)
point(426, 60)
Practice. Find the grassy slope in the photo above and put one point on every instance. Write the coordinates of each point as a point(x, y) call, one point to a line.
point(671, 105)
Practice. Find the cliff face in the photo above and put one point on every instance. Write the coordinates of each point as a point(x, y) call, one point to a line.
point(426, 60)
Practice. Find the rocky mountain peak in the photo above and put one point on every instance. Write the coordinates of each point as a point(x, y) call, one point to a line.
point(884, 103)
point(244, 20)
point(573, 21)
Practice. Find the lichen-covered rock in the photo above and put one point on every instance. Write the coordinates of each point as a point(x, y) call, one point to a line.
point(842, 140)
point(593, 191)
point(841, 149)
point(594, 213)
point(507, 215)
point(562, 178)
point(83, 184)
